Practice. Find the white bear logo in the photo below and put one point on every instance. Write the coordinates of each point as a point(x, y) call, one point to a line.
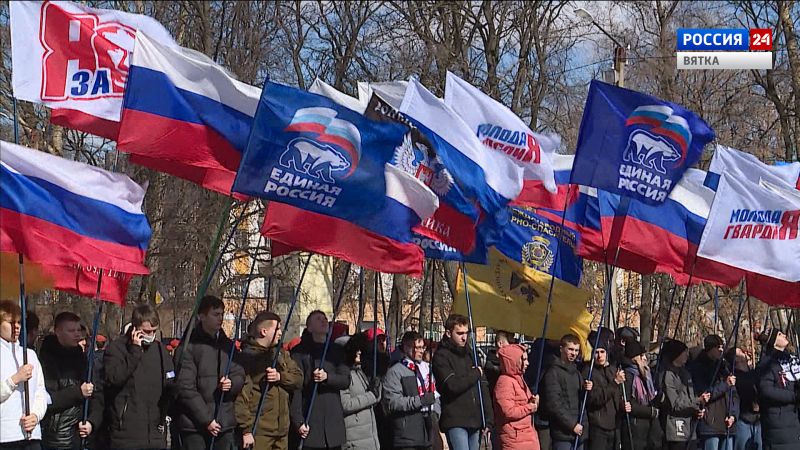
point(314, 159)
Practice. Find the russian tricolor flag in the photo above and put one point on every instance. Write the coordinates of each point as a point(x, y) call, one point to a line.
point(185, 115)
point(72, 217)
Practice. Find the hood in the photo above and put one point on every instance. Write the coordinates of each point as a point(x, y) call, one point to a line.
point(511, 359)
point(251, 346)
point(50, 344)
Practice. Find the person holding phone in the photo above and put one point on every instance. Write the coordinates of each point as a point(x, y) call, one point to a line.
point(139, 382)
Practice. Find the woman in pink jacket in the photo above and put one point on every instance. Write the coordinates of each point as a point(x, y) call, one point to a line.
point(513, 402)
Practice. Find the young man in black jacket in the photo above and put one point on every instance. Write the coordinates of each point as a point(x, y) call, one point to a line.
point(64, 366)
point(715, 429)
point(139, 384)
point(325, 427)
point(562, 389)
point(604, 405)
point(457, 382)
point(202, 383)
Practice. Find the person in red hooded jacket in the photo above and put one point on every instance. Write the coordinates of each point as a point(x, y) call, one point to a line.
point(514, 404)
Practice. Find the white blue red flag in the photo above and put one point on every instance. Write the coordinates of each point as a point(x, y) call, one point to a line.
point(754, 227)
point(745, 166)
point(636, 145)
point(500, 130)
point(185, 115)
point(308, 151)
point(72, 216)
point(76, 59)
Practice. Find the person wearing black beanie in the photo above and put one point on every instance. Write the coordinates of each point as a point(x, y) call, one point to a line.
point(680, 405)
point(778, 399)
point(603, 404)
point(640, 389)
point(711, 374)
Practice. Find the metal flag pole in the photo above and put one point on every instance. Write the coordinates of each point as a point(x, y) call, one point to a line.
point(549, 307)
point(208, 275)
point(375, 328)
point(385, 317)
point(624, 205)
point(23, 336)
point(325, 349)
point(260, 407)
point(92, 343)
point(422, 298)
point(237, 327)
point(360, 320)
point(474, 345)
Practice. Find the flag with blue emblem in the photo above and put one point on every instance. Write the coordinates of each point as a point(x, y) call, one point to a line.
point(636, 145)
point(307, 151)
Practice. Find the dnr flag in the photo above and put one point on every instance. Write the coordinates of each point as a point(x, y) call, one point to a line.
point(636, 145)
point(308, 151)
point(754, 227)
point(508, 296)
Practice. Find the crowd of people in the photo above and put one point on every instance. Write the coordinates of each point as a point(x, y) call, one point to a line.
point(357, 393)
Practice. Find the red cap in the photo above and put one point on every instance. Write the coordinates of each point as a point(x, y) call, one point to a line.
point(175, 343)
point(369, 333)
point(101, 338)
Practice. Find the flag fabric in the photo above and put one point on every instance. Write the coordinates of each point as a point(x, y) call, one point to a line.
point(322, 88)
point(535, 195)
point(490, 179)
point(636, 145)
point(676, 225)
point(502, 131)
point(392, 92)
point(744, 166)
point(75, 60)
point(293, 229)
point(308, 151)
point(382, 241)
point(452, 229)
point(773, 291)
point(71, 216)
point(37, 278)
point(754, 227)
point(542, 244)
point(185, 115)
point(506, 295)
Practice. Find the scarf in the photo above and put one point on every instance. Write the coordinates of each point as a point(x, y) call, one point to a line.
point(423, 385)
point(644, 391)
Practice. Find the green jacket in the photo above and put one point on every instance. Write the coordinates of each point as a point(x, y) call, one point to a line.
point(274, 420)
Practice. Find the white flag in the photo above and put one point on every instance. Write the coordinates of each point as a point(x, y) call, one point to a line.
point(392, 92)
point(744, 166)
point(320, 87)
point(68, 55)
point(754, 226)
point(500, 130)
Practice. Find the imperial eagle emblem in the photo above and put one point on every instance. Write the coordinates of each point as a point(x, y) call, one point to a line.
point(419, 160)
point(536, 254)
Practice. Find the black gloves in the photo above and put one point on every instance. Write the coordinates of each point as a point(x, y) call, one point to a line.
point(428, 399)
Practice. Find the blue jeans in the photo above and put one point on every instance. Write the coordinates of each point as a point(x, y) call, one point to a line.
point(748, 436)
point(463, 438)
point(716, 443)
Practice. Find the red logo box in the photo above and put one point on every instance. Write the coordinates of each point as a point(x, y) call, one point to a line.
point(760, 39)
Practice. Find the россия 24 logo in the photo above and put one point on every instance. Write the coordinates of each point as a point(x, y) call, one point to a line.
point(335, 147)
point(84, 58)
point(665, 139)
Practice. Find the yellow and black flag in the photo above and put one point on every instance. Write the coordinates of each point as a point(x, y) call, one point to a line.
point(508, 296)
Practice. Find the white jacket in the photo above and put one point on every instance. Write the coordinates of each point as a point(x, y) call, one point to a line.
point(11, 395)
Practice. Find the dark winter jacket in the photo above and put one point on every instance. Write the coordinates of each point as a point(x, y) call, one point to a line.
point(724, 399)
point(603, 404)
point(780, 427)
point(457, 382)
point(645, 429)
point(274, 419)
point(491, 369)
point(203, 365)
point(747, 388)
point(562, 393)
point(139, 384)
point(678, 405)
point(326, 423)
point(64, 371)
